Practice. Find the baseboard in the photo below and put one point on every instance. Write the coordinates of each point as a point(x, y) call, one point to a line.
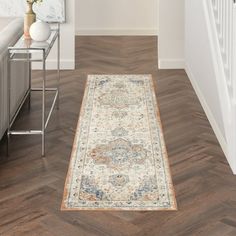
point(116, 32)
point(171, 63)
point(207, 110)
point(52, 65)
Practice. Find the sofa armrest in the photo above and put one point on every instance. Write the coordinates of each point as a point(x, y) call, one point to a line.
point(10, 33)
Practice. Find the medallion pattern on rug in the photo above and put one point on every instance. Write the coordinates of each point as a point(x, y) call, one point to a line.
point(119, 159)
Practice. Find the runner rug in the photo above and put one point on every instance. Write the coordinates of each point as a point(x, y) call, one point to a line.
point(119, 159)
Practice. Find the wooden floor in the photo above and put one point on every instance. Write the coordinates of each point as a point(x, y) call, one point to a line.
point(31, 187)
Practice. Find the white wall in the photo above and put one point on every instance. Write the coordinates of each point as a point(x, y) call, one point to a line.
point(186, 41)
point(68, 37)
point(200, 67)
point(67, 42)
point(116, 17)
point(171, 34)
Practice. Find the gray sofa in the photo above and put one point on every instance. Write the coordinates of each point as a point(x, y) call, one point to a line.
point(10, 31)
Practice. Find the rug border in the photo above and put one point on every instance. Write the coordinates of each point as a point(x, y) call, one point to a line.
point(165, 148)
point(65, 192)
point(165, 154)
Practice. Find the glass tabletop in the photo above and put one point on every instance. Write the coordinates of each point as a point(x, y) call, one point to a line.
point(34, 48)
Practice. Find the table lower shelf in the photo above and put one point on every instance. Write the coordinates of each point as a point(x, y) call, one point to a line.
point(44, 122)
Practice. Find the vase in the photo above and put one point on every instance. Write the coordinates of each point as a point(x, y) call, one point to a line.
point(30, 18)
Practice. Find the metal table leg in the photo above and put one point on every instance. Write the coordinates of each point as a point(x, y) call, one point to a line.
point(9, 102)
point(58, 65)
point(30, 76)
point(43, 104)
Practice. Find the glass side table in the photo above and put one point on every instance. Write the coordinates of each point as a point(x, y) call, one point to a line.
point(29, 51)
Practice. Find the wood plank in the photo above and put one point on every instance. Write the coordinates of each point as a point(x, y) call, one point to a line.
point(31, 187)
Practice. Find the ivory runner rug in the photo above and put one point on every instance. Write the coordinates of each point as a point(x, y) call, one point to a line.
point(119, 159)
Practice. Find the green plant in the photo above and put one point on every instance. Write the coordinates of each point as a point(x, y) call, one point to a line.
point(34, 1)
